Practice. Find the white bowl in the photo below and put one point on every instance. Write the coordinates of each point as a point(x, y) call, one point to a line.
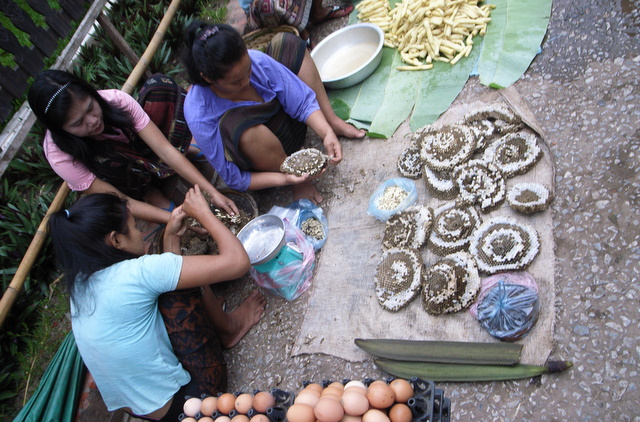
point(349, 55)
point(262, 238)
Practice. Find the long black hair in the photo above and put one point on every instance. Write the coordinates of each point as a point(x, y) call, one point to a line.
point(79, 237)
point(50, 97)
point(211, 51)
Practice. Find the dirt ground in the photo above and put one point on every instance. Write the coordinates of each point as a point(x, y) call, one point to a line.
point(583, 89)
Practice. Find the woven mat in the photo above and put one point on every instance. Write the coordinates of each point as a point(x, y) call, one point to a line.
point(343, 304)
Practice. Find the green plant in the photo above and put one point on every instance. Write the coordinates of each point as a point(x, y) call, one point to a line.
point(215, 15)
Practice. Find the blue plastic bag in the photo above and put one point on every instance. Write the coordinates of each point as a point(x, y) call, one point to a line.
point(374, 202)
point(508, 306)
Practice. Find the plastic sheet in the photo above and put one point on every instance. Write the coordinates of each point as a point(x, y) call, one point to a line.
point(290, 273)
point(374, 202)
point(507, 305)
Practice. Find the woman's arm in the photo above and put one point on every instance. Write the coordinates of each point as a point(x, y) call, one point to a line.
point(156, 140)
point(267, 179)
point(140, 210)
point(318, 123)
point(231, 262)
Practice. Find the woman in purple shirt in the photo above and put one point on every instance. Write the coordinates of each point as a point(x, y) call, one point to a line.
point(248, 111)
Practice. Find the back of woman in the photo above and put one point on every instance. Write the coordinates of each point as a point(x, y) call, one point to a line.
point(118, 326)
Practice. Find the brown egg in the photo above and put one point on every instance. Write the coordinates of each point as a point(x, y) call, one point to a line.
point(380, 395)
point(209, 405)
point(205, 419)
point(357, 386)
point(263, 400)
point(300, 413)
point(223, 419)
point(375, 415)
point(191, 406)
point(226, 403)
point(402, 390)
point(315, 386)
point(237, 418)
point(243, 403)
point(259, 418)
point(349, 418)
point(328, 410)
point(400, 412)
point(336, 384)
point(307, 397)
point(335, 391)
point(354, 403)
point(189, 419)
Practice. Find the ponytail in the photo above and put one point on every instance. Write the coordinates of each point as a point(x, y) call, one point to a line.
point(78, 235)
point(211, 51)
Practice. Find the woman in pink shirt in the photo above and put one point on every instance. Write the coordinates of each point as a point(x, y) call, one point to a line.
point(104, 141)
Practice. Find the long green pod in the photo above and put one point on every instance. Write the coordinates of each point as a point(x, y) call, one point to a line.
point(443, 351)
point(439, 372)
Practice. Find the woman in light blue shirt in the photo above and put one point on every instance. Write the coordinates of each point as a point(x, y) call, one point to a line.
point(148, 327)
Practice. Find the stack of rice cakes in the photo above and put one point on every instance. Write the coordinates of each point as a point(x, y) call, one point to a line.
point(466, 163)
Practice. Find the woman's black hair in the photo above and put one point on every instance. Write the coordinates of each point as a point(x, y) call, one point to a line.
point(50, 97)
point(210, 51)
point(79, 237)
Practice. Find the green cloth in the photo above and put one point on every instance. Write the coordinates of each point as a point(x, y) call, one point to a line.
point(56, 398)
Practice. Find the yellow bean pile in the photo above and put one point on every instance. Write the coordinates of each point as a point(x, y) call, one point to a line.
point(424, 31)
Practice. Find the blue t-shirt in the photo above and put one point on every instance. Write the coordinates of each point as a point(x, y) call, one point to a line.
point(121, 336)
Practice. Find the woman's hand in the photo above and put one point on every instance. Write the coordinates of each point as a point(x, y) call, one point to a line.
point(221, 201)
point(176, 225)
point(292, 179)
point(195, 204)
point(333, 147)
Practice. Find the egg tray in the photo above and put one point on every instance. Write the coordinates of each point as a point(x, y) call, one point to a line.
point(427, 405)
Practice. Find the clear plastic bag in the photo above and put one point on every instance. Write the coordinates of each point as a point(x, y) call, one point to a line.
point(299, 212)
point(507, 305)
point(290, 274)
point(374, 202)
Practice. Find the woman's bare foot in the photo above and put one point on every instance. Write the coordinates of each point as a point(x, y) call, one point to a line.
point(342, 128)
point(245, 316)
point(306, 190)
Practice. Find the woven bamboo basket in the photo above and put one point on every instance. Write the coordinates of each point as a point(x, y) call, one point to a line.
point(258, 39)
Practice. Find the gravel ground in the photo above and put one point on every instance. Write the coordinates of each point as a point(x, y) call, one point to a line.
point(583, 89)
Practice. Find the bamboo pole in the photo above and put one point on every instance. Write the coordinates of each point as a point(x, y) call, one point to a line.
point(11, 294)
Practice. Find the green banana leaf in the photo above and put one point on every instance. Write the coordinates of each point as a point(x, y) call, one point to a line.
point(513, 38)
point(384, 100)
point(57, 395)
point(440, 86)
